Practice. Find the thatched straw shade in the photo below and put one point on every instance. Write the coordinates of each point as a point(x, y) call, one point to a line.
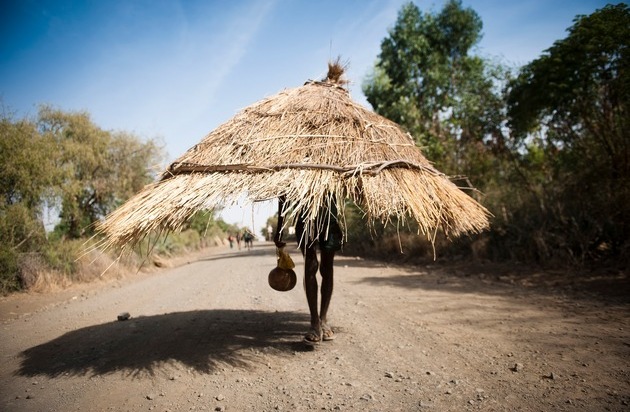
point(312, 144)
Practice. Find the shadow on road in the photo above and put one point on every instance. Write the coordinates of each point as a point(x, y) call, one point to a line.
point(603, 286)
point(202, 340)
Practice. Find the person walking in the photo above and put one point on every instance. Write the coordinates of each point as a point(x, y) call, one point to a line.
point(325, 233)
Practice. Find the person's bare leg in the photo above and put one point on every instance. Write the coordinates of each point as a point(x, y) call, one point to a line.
point(326, 269)
point(311, 265)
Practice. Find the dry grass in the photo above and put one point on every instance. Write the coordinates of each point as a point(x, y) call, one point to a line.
point(313, 145)
point(37, 276)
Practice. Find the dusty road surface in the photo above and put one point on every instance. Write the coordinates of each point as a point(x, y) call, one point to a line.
point(210, 335)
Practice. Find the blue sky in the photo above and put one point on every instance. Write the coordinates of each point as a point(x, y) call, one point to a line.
point(175, 70)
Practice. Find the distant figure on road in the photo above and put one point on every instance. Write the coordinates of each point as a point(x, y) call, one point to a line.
point(327, 233)
point(248, 237)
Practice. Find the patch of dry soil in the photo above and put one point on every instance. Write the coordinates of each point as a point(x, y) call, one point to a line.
point(211, 335)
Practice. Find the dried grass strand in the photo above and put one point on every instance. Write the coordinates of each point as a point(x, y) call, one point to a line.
point(314, 146)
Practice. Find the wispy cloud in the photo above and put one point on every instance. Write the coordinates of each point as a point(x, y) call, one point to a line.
point(225, 50)
point(205, 68)
point(166, 80)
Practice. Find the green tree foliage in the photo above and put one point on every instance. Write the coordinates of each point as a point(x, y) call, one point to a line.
point(569, 112)
point(27, 174)
point(202, 222)
point(427, 80)
point(21, 233)
point(27, 167)
point(548, 148)
point(206, 224)
point(60, 159)
point(100, 169)
point(272, 222)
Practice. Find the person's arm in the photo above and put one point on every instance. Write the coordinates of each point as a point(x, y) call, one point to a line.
point(277, 237)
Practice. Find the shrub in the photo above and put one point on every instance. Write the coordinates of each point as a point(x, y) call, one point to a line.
point(9, 280)
point(62, 255)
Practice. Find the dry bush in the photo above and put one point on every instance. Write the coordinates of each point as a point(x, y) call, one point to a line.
point(36, 276)
point(66, 262)
point(30, 267)
point(98, 265)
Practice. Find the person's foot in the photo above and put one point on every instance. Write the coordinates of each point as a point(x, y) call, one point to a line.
point(313, 336)
point(327, 333)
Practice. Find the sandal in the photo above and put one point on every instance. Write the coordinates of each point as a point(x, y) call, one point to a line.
point(313, 337)
point(327, 333)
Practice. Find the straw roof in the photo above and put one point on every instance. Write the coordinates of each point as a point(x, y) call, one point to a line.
point(313, 145)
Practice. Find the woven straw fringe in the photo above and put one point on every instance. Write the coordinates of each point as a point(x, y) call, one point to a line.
point(313, 145)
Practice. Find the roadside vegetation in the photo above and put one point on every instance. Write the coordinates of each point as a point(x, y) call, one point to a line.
point(546, 147)
point(59, 174)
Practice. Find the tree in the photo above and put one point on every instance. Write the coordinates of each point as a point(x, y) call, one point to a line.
point(272, 222)
point(61, 159)
point(426, 80)
point(570, 109)
point(27, 164)
point(27, 174)
point(99, 169)
point(579, 88)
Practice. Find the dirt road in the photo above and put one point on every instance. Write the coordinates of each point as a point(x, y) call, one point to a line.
point(211, 335)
